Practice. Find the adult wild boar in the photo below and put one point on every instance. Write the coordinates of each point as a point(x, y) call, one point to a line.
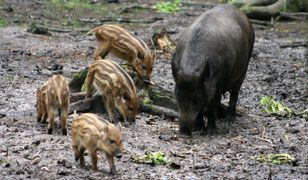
point(211, 58)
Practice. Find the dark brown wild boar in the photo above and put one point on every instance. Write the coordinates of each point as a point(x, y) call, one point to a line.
point(126, 46)
point(211, 58)
point(53, 95)
point(91, 133)
point(116, 87)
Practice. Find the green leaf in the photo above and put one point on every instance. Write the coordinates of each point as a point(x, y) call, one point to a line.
point(276, 159)
point(269, 106)
point(156, 158)
point(167, 7)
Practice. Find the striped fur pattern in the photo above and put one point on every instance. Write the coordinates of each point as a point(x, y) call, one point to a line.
point(53, 95)
point(126, 46)
point(116, 87)
point(91, 133)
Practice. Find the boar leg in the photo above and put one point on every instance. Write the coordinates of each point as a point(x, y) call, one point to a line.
point(212, 113)
point(63, 119)
point(199, 122)
point(89, 81)
point(39, 116)
point(44, 117)
point(111, 163)
point(109, 105)
point(75, 150)
point(102, 50)
point(51, 118)
point(94, 160)
point(81, 155)
point(41, 113)
point(232, 103)
point(185, 125)
point(44, 113)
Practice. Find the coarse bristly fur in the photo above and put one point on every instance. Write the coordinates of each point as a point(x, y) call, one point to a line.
point(91, 133)
point(126, 46)
point(53, 95)
point(116, 87)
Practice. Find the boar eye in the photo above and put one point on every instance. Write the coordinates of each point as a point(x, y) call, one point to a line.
point(143, 67)
point(110, 141)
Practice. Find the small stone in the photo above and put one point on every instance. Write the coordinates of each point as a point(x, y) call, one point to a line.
point(62, 172)
point(7, 165)
point(293, 131)
point(26, 147)
point(36, 143)
point(36, 160)
point(44, 168)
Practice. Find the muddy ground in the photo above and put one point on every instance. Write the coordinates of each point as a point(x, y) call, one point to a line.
point(27, 60)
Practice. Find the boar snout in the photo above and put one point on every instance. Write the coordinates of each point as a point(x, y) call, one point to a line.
point(117, 153)
point(148, 82)
point(131, 120)
point(187, 121)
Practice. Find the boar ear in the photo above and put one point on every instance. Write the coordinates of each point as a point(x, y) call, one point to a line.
point(119, 125)
point(140, 55)
point(125, 96)
point(106, 129)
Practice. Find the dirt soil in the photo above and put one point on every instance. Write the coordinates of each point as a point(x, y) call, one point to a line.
point(27, 60)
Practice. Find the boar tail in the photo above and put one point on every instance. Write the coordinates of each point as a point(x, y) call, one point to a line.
point(93, 30)
point(59, 96)
point(75, 114)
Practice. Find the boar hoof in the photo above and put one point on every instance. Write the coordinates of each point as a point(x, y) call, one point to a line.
point(231, 117)
point(222, 111)
point(186, 131)
point(210, 130)
point(49, 131)
point(64, 132)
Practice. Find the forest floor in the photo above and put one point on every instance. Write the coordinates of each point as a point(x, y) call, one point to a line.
point(276, 69)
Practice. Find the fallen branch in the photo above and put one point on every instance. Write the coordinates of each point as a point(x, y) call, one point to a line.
point(260, 22)
point(122, 20)
point(127, 9)
point(74, 97)
point(198, 4)
point(294, 44)
point(12, 84)
point(265, 139)
point(158, 110)
point(294, 16)
point(95, 104)
point(40, 29)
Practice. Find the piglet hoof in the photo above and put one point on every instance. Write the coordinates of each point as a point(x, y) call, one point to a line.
point(82, 164)
point(49, 131)
point(127, 124)
point(64, 132)
point(113, 171)
point(38, 119)
point(76, 158)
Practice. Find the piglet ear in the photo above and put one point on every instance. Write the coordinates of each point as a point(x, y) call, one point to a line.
point(140, 55)
point(125, 96)
point(119, 125)
point(106, 129)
